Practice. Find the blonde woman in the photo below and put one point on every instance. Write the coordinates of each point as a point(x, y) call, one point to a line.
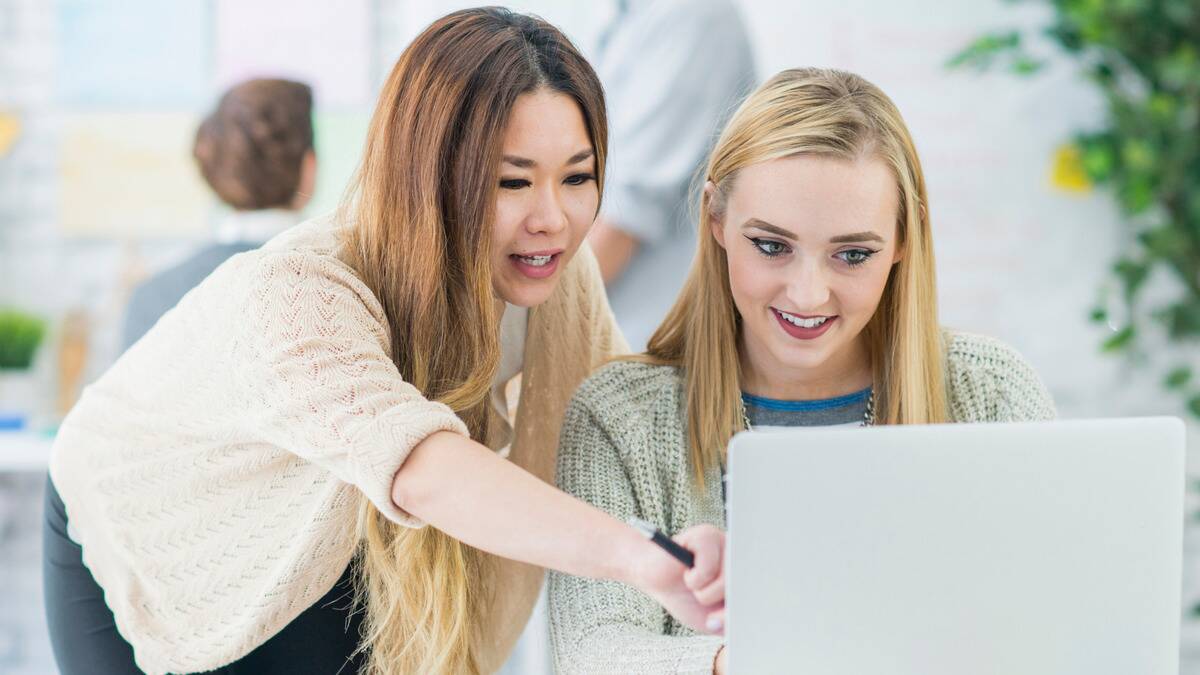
point(811, 302)
point(284, 433)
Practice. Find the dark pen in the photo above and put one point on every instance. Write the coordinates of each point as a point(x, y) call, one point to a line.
point(667, 544)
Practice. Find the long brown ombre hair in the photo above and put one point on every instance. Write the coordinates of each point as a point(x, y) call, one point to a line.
point(829, 113)
point(422, 207)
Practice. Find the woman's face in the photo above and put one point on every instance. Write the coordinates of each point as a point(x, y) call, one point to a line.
point(810, 242)
point(547, 196)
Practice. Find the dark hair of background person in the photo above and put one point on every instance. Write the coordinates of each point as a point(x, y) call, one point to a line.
point(251, 148)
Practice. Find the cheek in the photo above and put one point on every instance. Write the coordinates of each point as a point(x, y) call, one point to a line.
point(581, 212)
point(750, 280)
point(509, 214)
point(862, 294)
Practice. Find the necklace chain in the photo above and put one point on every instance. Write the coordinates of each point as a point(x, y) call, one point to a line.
point(868, 414)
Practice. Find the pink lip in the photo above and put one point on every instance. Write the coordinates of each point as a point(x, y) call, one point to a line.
point(803, 333)
point(533, 272)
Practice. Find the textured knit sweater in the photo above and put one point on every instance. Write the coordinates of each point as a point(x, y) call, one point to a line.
point(624, 449)
point(214, 473)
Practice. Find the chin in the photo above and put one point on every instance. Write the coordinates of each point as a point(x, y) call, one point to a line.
point(527, 295)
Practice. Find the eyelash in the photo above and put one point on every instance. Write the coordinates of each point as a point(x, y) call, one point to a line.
point(761, 245)
point(574, 180)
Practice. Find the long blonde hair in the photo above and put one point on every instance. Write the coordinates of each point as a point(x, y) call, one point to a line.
point(422, 209)
point(815, 112)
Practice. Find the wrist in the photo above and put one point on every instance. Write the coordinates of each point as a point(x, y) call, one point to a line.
point(626, 564)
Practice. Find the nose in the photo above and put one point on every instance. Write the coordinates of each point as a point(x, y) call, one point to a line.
point(547, 215)
point(808, 290)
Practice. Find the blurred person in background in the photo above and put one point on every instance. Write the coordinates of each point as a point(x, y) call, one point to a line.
point(673, 70)
point(811, 302)
point(312, 463)
point(256, 152)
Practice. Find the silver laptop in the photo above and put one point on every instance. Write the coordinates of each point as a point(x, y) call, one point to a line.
point(993, 549)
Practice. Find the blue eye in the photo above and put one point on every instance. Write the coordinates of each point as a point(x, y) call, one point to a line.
point(769, 247)
point(514, 183)
point(855, 256)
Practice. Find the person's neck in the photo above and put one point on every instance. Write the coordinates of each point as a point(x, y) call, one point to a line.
point(846, 372)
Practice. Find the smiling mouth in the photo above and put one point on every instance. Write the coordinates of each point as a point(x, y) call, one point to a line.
point(536, 265)
point(535, 260)
point(803, 322)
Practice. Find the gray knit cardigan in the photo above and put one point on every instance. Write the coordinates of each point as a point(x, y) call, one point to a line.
point(624, 449)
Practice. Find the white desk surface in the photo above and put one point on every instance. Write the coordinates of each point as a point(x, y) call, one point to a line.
point(24, 451)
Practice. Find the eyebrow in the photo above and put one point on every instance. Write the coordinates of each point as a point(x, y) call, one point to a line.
point(839, 239)
point(526, 163)
point(856, 237)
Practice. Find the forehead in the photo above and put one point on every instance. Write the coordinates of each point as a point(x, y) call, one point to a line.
point(545, 124)
point(817, 195)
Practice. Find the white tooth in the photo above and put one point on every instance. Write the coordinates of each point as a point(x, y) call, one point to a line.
point(803, 323)
point(536, 260)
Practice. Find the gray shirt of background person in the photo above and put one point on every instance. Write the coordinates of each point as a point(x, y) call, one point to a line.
point(673, 71)
point(241, 231)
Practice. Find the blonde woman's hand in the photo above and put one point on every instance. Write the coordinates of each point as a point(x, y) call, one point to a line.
point(697, 596)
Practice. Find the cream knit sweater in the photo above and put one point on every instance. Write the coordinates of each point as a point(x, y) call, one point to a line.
point(213, 474)
point(624, 449)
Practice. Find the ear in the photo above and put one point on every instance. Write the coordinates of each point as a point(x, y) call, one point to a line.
point(716, 223)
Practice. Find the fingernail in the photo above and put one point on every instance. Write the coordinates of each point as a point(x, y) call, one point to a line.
point(714, 624)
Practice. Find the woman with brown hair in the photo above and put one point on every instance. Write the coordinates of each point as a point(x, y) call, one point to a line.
point(262, 464)
point(256, 153)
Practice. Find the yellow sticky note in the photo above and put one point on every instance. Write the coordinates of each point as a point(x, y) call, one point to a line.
point(1067, 173)
point(131, 175)
point(10, 128)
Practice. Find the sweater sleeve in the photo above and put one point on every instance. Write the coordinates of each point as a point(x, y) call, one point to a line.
point(990, 381)
point(319, 379)
point(604, 626)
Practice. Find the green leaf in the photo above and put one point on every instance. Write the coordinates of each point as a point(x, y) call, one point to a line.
point(1026, 65)
point(1183, 319)
point(1194, 405)
point(1178, 378)
point(1120, 340)
point(983, 50)
point(1098, 160)
point(1132, 275)
point(1137, 194)
point(1098, 315)
point(1164, 241)
point(1138, 155)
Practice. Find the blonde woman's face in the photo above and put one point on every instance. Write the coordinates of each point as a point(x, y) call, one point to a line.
point(547, 196)
point(810, 242)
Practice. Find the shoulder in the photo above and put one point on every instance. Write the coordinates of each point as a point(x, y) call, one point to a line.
point(298, 285)
point(989, 381)
point(625, 396)
point(624, 387)
point(308, 257)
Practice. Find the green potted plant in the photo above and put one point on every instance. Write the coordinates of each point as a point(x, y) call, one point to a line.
point(1143, 56)
point(20, 336)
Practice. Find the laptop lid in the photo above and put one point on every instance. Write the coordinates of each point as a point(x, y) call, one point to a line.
point(1006, 549)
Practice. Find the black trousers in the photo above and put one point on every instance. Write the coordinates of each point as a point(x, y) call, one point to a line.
point(84, 637)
